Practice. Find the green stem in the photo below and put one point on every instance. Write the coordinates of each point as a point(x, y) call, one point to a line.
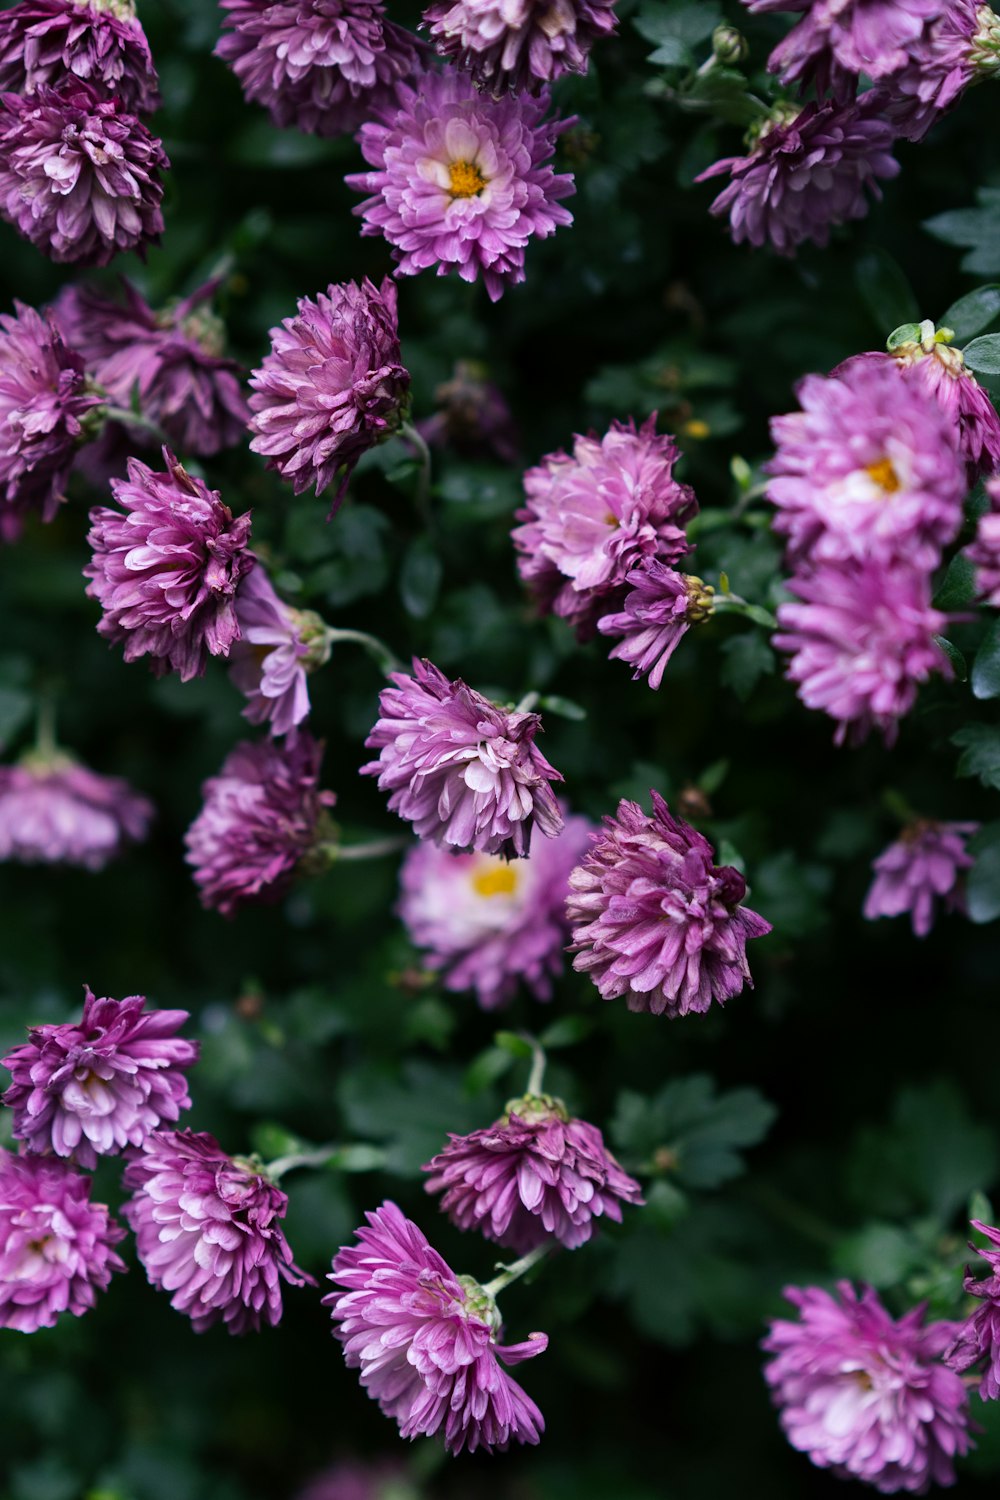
point(46, 744)
point(374, 849)
point(527, 703)
point(512, 1272)
point(375, 648)
point(275, 1170)
point(538, 1061)
point(423, 496)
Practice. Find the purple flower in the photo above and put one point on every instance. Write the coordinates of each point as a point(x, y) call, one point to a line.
point(957, 48)
point(56, 1247)
point(263, 815)
point(323, 66)
point(44, 43)
point(333, 385)
point(166, 568)
point(806, 171)
point(277, 648)
point(839, 39)
point(660, 608)
point(866, 1395)
point(655, 919)
point(978, 1338)
point(461, 181)
point(472, 416)
point(922, 867)
point(208, 1229)
point(465, 772)
point(490, 925)
point(535, 1176)
point(521, 45)
point(79, 176)
point(425, 1340)
point(593, 516)
point(94, 1087)
point(54, 811)
point(985, 550)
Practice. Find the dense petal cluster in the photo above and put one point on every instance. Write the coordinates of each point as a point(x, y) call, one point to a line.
point(519, 45)
point(44, 43)
point(96, 1086)
point(465, 772)
point(56, 1247)
point(208, 1230)
point(977, 1341)
point(655, 919)
point(462, 181)
point(984, 553)
point(866, 1395)
point(277, 648)
point(425, 1340)
point(920, 870)
point(659, 609)
point(54, 811)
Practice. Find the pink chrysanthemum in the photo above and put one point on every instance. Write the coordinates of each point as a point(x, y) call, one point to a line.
point(659, 609)
point(866, 1395)
point(44, 43)
point(536, 1176)
point(277, 649)
point(977, 1340)
point(985, 550)
point(56, 1247)
point(920, 870)
point(425, 1340)
point(54, 811)
point(519, 44)
point(655, 919)
point(97, 1086)
point(461, 181)
point(957, 48)
point(835, 43)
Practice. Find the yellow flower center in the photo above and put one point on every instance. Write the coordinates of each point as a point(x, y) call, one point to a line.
point(501, 880)
point(884, 475)
point(466, 180)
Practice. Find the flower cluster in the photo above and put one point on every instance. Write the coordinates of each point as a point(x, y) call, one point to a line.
point(922, 869)
point(54, 811)
point(523, 45)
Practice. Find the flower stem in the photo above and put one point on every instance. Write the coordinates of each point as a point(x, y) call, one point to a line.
point(375, 648)
point(318, 1158)
point(512, 1272)
point(526, 704)
point(134, 419)
point(538, 1061)
point(423, 496)
point(46, 744)
point(374, 849)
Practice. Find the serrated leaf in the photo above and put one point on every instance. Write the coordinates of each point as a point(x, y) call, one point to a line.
point(986, 667)
point(972, 313)
point(691, 1132)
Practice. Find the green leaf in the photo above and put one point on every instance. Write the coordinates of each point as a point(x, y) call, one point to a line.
point(881, 1254)
point(271, 1141)
point(983, 354)
point(981, 746)
point(486, 1069)
point(517, 1046)
point(565, 708)
point(566, 1032)
point(982, 888)
point(976, 228)
point(15, 711)
point(357, 1157)
point(420, 578)
point(748, 658)
point(958, 587)
point(412, 1111)
point(792, 893)
point(955, 656)
point(972, 313)
point(986, 667)
point(908, 333)
point(675, 27)
point(884, 289)
point(690, 1131)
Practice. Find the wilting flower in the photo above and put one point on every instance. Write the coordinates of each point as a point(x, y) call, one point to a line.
point(978, 1338)
point(985, 550)
point(472, 416)
point(465, 772)
point(333, 385)
point(166, 567)
point(54, 811)
point(79, 176)
point(261, 820)
point(277, 649)
point(461, 181)
point(594, 515)
point(535, 1176)
point(519, 45)
point(323, 66)
point(425, 1340)
point(94, 1087)
point(655, 919)
point(660, 607)
point(56, 1247)
point(208, 1229)
point(922, 868)
point(835, 43)
point(866, 1395)
point(44, 43)
point(489, 924)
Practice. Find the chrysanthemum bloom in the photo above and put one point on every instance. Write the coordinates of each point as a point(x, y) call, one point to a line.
point(44, 43)
point(959, 47)
point(923, 868)
point(519, 44)
point(659, 609)
point(836, 42)
point(862, 641)
point(472, 416)
point(96, 1086)
point(333, 385)
point(465, 772)
point(461, 181)
point(866, 1395)
point(425, 1340)
point(208, 1229)
point(79, 176)
point(489, 925)
point(985, 550)
point(655, 919)
point(277, 648)
point(978, 1338)
point(54, 811)
point(536, 1176)
point(263, 816)
point(56, 1247)
point(807, 170)
point(592, 516)
point(166, 568)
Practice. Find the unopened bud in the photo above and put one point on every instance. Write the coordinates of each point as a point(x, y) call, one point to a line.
point(729, 46)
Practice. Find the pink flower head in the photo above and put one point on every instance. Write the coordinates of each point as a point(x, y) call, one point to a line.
point(835, 42)
point(56, 1247)
point(461, 181)
point(985, 550)
point(97, 1086)
point(866, 1395)
point(535, 1176)
point(959, 46)
point(465, 772)
point(54, 811)
point(44, 43)
point(277, 648)
point(489, 924)
point(594, 516)
point(660, 607)
point(977, 1340)
point(79, 175)
point(922, 868)
point(519, 45)
point(655, 919)
point(166, 567)
point(208, 1229)
point(425, 1340)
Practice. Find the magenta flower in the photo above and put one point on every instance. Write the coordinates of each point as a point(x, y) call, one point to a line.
point(208, 1229)
point(535, 1176)
point(920, 870)
point(263, 816)
point(977, 1340)
point(655, 919)
point(461, 181)
point(958, 47)
point(834, 43)
point(659, 609)
point(593, 516)
point(54, 811)
point(985, 550)
point(277, 649)
point(97, 1086)
point(521, 45)
point(79, 176)
point(866, 1395)
point(465, 772)
point(425, 1340)
point(490, 925)
point(44, 43)
point(472, 416)
point(56, 1247)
